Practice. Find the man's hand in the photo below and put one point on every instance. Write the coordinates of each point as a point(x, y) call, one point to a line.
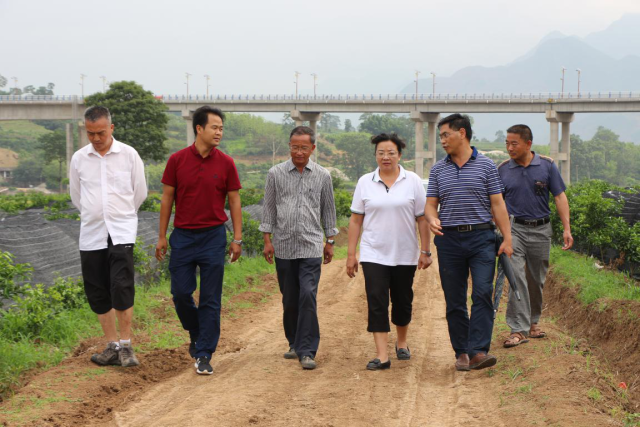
point(435, 227)
point(235, 250)
point(424, 262)
point(161, 248)
point(352, 266)
point(328, 253)
point(568, 240)
point(506, 248)
point(268, 252)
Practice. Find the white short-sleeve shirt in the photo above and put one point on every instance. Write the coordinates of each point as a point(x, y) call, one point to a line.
point(389, 228)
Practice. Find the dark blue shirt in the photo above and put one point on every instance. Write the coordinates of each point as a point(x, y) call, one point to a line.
point(463, 192)
point(526, 190)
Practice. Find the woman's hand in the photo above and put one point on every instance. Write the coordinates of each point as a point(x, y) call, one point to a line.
point(424, 262)
point(352, 266)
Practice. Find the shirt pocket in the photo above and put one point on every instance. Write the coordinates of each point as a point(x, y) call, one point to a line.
point(122, 183)
point(313, 197)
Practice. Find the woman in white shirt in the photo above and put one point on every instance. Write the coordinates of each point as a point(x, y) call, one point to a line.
point(386, 205)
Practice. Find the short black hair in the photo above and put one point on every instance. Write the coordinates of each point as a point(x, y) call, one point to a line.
point(377, 139)
point(458, 121)
point(95, 113)
point(304, 130)
point(523, 130)
point(201, 116)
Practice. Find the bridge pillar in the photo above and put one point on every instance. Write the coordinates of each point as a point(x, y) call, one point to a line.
point(560, 151)
point(430, 153)
point(191, 136)
point(69, 147)
point(313, 119)
point(83, 139)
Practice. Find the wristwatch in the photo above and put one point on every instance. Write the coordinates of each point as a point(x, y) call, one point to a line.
point(237, 242)
point(331, 241)
point(427, 253)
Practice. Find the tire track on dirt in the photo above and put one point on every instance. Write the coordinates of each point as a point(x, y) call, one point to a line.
point(256, 385)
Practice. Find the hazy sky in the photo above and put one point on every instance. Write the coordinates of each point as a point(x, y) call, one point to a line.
point(254, 46)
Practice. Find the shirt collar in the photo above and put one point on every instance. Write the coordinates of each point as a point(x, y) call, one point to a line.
point(291, 166)
point(474, 155)
point(116, 147)
point(195, 152)
point(376, 174)
point(535, 161)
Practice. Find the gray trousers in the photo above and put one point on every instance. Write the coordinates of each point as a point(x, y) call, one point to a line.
point(530, 261)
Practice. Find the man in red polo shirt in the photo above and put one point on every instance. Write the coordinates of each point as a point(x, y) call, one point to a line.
point(198, 179)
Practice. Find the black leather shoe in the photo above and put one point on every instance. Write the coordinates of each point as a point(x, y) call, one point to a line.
point(376, 365)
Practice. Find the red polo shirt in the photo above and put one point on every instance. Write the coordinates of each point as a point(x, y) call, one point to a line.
point(201, 186)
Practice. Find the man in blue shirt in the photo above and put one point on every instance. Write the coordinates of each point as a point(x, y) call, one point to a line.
point(467, 186)
point(528, 179)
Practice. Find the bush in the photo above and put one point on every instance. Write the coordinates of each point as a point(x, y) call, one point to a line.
point(11, 274)
point(343, 202)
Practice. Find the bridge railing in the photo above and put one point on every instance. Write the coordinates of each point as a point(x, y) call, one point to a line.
point(371, 98)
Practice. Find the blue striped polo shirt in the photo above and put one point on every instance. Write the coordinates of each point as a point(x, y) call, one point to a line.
point(463, 193)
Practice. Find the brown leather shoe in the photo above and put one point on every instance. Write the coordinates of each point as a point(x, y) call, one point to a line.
point(482, 360)
point(462, 362)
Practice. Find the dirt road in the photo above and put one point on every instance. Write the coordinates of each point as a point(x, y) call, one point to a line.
point(256, 385)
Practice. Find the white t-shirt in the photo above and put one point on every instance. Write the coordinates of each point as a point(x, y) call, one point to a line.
point(389, 228)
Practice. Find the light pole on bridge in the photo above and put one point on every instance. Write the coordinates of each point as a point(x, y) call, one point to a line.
point(417, 74)
point(207, 78)
point(315, 85)
point(579, 72)
point(434, 82)
point(15, 85)
point(562, 78)
point(104, 83)
point(297, 74)
point(82, 76)
point(187, 83)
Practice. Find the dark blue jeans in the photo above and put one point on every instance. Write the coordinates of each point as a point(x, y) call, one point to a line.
point(206, 250)
point(459, 253)
point(298, 280)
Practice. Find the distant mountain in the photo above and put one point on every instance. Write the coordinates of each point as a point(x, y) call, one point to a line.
point(620, 39)
point(609, 60)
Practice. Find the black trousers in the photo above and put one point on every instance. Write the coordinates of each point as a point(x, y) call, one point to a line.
point(298, 280)
point(382, 281)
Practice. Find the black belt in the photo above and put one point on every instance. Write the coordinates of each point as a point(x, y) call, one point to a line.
point(532, 222)
point(470, 227)
point(199, 230)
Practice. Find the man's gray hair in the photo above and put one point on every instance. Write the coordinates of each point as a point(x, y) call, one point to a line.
point(95, 113)
point(304, 130)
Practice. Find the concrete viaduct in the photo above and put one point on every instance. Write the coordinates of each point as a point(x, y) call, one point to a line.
point(559, 110)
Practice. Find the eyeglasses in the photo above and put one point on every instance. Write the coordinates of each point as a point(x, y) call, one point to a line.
point(445, 135)
point(386, 153)
point(303, 148)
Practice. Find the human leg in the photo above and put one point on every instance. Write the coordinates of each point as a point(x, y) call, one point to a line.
point(539, 248)
point(518, 314)
point(377, 278)
point(210, 252)
point(287, 272)
point(308, 329)
point(454, 273)
point(182, 267)
point(401, 292)
point(482, 262)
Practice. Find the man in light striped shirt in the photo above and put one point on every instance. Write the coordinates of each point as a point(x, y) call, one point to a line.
point(468, 188)
point(299, 210)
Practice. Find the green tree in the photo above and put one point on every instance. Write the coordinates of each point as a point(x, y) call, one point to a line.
point(358, 155)
point(348, 127)
point(139, 118)
point(54, 148)
point(329, 123)
point(375, 124)
point(500, 136)
point(28, 172)
point(42, 90)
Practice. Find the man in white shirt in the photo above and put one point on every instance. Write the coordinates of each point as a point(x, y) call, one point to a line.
point(107, 185)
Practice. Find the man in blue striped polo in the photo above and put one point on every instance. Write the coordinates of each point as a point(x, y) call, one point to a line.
point(468, 188)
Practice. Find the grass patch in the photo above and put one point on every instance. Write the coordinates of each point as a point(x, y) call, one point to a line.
point(579, 270)
point(154, 316)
